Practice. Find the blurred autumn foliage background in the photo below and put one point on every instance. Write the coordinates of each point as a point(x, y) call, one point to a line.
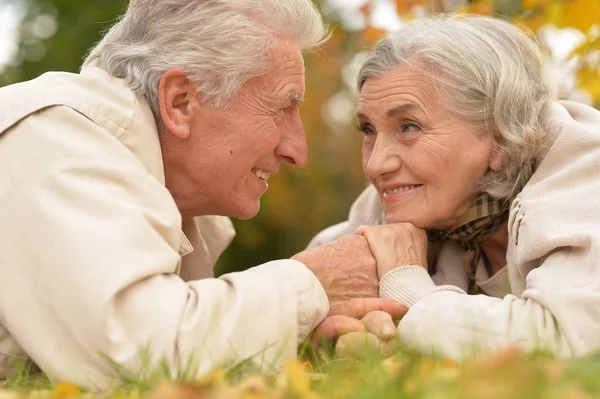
point(55, 35)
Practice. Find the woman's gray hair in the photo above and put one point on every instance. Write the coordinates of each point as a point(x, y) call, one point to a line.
point(488, 71)
point(219, 43)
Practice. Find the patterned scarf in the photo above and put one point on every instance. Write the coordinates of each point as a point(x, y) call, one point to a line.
point(482, 219)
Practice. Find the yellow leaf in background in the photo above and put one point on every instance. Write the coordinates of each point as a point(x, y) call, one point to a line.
point(529, 4)
point(533, 21)
point(484, 7)
point(581, 14)
point(555, 13)
point(371, 35)
point(403, 7)
point(588, 46)
point(366, 9)
point(589, 80)
point(65, 390)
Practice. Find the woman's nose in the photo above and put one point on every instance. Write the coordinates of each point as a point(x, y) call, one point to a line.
point(383, 159)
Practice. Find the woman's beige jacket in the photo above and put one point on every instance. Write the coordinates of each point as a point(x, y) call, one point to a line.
point(548, 296)
point(95, 260)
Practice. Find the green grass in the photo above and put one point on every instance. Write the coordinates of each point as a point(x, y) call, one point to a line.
point(509, 374)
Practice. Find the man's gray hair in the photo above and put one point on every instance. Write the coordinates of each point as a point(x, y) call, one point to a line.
point(488, 71)
point(219, 43)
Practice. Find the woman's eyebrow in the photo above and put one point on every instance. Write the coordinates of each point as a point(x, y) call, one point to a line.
point(400, 108)
point(392, 111)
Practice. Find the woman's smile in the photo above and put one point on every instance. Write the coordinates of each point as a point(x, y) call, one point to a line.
point(396, 192)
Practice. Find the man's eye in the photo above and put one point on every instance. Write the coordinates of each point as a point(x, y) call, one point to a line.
point(366, 130)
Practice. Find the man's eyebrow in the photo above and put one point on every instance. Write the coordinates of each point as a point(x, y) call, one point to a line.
point(294, 97)
point(360, 115)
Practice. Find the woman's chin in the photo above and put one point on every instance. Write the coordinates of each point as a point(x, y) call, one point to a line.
point(399, 218)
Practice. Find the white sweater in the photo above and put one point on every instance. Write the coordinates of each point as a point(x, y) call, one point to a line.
point(549, 294)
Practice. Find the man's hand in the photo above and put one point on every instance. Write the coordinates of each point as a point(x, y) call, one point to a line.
point(396, 244)
point(349, 318)
point(363, 325)
point(346, 269)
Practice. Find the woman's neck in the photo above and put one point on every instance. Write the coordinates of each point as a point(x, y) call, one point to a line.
point(494, 249)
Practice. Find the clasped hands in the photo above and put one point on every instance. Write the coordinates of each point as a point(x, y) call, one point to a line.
point(349, 270)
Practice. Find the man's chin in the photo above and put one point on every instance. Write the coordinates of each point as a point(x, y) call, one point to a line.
point(247, 212)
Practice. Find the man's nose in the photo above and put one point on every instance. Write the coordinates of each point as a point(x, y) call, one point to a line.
point(292, 146)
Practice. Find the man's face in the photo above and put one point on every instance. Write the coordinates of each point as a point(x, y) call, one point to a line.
point(223, 166)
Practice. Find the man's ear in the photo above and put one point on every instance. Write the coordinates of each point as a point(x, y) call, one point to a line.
point(176, 97)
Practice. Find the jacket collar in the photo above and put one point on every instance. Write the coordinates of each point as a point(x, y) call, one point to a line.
point(144, 144)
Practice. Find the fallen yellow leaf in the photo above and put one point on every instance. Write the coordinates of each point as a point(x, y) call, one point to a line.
point(168, 390)
point(297, 378)
point(65, 390)
point(9, 395)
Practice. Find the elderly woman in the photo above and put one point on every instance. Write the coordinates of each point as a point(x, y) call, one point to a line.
point(493, 184)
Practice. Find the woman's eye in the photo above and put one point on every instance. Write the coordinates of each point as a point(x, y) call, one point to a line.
point(409, 127)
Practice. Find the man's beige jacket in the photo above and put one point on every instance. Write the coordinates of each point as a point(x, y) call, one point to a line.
point(95, 260)
point(548, 295)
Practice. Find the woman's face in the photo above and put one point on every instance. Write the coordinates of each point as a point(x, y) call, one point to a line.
point(423, 159)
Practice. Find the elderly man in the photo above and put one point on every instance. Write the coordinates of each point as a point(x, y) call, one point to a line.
point(108, 179)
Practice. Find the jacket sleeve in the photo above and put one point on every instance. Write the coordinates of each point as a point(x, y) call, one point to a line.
point(555, 304)
point(450, 323)
point(89, 260)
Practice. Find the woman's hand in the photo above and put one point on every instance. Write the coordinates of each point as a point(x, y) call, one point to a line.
point(396, 244)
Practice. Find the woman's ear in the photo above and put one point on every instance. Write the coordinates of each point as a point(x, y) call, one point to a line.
point(496, 159)
point(176, 97)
